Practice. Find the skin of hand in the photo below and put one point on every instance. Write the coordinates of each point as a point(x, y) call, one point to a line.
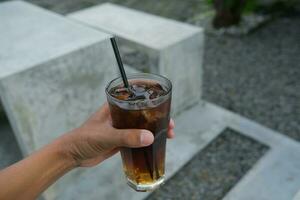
point(96, 139)
point(86, 146)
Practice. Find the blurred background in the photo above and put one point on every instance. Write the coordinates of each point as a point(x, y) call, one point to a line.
point(252, 69)
point(251, 56)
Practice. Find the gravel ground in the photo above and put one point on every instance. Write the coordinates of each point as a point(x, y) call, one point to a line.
point(213, 171)
point(258, 76)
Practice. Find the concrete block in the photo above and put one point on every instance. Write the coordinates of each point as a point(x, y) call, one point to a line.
point(161, 45)
point(52, 77)
point(52, 72)
point(297, 196)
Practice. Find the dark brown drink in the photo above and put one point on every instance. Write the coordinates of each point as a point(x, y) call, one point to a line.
point(145, 106)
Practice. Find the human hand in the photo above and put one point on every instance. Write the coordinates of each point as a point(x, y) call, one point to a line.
point(97, 140)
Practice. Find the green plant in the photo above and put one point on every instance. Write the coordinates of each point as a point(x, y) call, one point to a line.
point(228, 12)
point(250, 6)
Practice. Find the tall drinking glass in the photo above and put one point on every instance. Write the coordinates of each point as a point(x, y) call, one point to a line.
point(147, 106)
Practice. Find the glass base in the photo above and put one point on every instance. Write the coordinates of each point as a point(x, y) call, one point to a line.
point(146, 187)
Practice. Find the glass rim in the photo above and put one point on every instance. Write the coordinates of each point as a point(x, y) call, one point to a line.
point(129, 77)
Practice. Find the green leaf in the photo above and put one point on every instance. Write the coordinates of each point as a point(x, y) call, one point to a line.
point(250, 6)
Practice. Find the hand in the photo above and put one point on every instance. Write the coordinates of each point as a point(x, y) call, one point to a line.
point(96, 140)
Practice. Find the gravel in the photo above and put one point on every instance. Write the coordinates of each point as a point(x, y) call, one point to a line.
point(258, 76)
point(213, 171)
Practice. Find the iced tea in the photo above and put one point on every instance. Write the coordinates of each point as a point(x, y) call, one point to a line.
point(146, 105)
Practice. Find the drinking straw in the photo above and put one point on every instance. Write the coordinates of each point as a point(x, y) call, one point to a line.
point(126, 85)
point(119, 61)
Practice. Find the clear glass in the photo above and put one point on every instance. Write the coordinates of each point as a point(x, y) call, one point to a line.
point(144, 167)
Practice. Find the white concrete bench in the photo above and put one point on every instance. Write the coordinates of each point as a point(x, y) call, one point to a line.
point(52, 77)
point(168, 47)
point(53, 71)
point(49, 65)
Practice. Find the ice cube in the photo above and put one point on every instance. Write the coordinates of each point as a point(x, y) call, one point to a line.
point(139, 88)
point(157, 86)
point(151, 115)
point(155, 91)
point(153, 94)
point(121, 93)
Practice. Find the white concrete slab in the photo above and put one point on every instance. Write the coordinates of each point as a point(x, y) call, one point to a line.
point(65, 62)
point(141, 28)
point(31, 35)
point(170, 48)
point(297, 196)
point(275, 177)
point(192, 134)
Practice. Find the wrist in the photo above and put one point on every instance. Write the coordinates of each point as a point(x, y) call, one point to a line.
point(61, 147)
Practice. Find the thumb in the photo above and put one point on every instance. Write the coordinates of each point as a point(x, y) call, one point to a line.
point(134, 137)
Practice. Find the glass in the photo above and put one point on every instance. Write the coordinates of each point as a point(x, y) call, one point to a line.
point(144, 167)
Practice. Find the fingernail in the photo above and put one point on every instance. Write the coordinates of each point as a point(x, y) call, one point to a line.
point(146, 138)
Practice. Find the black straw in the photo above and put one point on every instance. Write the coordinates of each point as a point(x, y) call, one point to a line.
point(125, 81)
point(119, 61)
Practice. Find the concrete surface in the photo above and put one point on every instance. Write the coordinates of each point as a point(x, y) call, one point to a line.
point(50, 54)
point(277, 169)
point(171, 48)
point(213, 171)
point(31, 36)
point(280, 145)
point(297, 196)
point(66, 63)
point(193, 134)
